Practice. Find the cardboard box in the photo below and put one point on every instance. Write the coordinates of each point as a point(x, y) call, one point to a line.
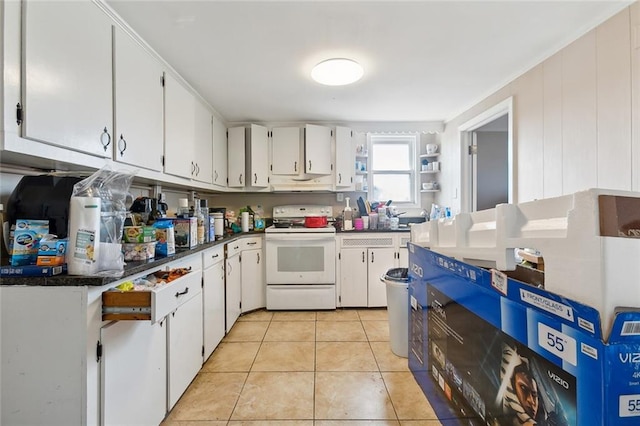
point(52, 253)
point(186, 232)
point(32, 271)
point(472, 330)
point(26, 241)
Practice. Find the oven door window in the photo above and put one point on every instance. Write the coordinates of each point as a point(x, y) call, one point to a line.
point(300, 260)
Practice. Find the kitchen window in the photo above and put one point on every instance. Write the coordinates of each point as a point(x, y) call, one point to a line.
point(392, 174)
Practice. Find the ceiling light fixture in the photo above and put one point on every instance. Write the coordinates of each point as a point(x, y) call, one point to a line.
point(337, 72)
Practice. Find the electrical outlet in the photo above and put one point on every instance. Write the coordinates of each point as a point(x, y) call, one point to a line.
point(340, 197)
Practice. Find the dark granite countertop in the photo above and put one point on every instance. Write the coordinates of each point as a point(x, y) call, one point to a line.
point(131, 268)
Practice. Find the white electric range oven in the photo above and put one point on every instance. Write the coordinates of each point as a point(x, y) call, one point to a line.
point(300, 261)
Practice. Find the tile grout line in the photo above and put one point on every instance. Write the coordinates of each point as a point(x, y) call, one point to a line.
point(248, 372)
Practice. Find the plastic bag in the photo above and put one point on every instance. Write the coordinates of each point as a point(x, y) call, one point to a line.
point(97, 211)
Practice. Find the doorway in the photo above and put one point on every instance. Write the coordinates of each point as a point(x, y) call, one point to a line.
point(487, 159)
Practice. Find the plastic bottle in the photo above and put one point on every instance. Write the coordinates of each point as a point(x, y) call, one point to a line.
point(200, 229)
point(183, 208)
point(204, 212)
point(347, 217)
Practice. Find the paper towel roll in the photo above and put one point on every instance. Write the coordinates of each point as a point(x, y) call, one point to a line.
point(84, 235)
point(245, 221)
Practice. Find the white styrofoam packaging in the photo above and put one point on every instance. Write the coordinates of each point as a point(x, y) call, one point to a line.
point(471, 329)
point(582, 260)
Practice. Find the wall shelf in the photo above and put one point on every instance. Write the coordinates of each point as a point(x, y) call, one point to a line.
point(427, 172)
point(429, 190)
point(428, 155)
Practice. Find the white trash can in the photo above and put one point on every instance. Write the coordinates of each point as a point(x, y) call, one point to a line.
point(397, 282)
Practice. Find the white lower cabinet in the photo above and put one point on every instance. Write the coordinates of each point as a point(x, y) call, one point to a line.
point(134, 363)
point(184, 347)
point(48, 357)
point(213, 312)
point(233, 282)
point(253, 295)
point(363, 259)
point(353, 277)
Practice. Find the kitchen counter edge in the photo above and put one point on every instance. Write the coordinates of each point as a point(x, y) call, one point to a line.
point(130, 269)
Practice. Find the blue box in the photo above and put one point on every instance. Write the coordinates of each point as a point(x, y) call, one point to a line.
point(474, 330)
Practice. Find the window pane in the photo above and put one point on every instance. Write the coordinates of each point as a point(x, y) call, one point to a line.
point(396, 187)
point(391, 157)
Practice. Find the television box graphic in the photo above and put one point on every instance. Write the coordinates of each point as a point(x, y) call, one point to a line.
point(489, 350)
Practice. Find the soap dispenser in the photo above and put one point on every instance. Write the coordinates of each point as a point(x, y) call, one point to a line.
point(347, 217)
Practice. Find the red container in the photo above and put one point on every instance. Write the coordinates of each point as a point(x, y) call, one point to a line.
point(315, 221)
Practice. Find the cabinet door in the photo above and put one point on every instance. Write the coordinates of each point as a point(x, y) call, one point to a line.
point(138, 105)
point(213, 307)
point(317, 150)
point(236, 154)
point(134, 373)
point(258, 165)
point(184, 357)
point(380, 261)
point(219, 177)
point(353, 277)
point(203, 144)
point(67, 77)
point(403, 251)
point(233, 290)
point(285, 150)
point(253, 280)
point(179, 129)
point(344, 158)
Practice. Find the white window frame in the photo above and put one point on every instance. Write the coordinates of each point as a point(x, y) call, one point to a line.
point(411, 139)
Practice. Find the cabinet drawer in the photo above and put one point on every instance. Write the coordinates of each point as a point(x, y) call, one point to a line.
point(154, 304)
point(233, 248)
point(250, 243)
point(212, 256)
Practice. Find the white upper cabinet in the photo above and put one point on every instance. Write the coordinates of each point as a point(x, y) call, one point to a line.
point(219, 153)
point(179, 129)
point(235, 155)
point(317, 149)
point(138, 104)
point(203, 143)
point(258, 156)
point(248, 153)
point(188, 144)
point(67, 76)
point(344, 158)
point(285, 150)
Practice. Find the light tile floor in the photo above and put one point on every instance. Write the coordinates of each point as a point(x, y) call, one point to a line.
point(325, 368)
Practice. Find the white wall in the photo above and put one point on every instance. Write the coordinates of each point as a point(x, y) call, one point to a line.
point(576, 118)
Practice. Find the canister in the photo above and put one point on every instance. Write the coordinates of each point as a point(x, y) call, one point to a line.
point(218, 225)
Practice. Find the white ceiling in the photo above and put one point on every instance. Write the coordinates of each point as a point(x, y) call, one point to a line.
point(423, 60)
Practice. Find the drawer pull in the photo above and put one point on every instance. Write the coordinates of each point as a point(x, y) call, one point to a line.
point(253, 243)
point(182, 293)
point(215, 255)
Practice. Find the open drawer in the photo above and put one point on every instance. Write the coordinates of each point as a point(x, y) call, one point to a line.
point(154, 304)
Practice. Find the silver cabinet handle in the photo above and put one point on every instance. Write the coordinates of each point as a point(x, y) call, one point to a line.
point(309, 164)
point(255, 178)
point(258, 262)
point(105, 139)
point(123, 149)
point(240, 179)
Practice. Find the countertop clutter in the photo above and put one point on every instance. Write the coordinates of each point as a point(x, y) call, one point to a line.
point(131, 268)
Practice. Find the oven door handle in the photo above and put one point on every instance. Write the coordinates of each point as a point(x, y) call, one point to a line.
point(300, 237)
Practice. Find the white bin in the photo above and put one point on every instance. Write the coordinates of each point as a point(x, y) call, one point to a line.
point(397, 283)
